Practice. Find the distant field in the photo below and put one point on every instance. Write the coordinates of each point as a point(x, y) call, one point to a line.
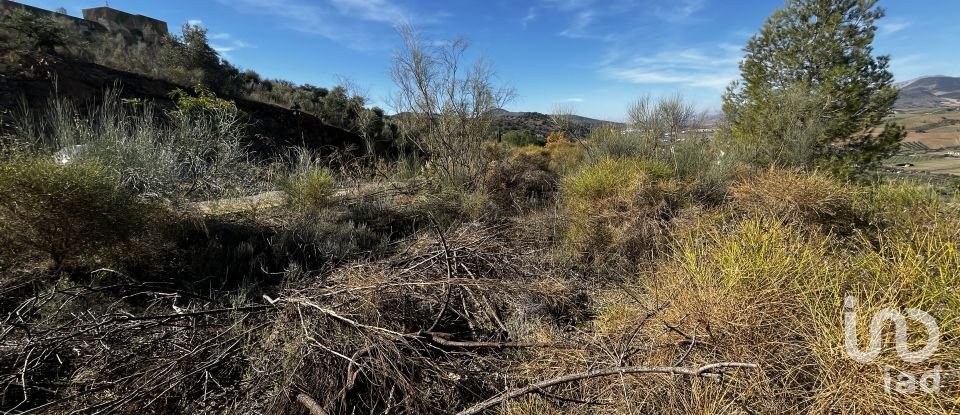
point(934, 140)
point(929, 133)
point(936, 128)
point(929, 163)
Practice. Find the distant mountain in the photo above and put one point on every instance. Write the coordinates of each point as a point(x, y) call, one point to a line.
point(929, 92)
point(542, 125)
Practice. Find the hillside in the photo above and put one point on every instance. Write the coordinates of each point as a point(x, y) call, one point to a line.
point(541, 124)
point(929, 109)
point(52, 54)
point(929, 92)
point(271, 128)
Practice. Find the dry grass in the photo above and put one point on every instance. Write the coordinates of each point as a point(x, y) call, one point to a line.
point(417, 297)
point(809, 197)
point(522, 179)
point(619, 209)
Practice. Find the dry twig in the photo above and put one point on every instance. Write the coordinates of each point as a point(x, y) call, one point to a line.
point(629, 370)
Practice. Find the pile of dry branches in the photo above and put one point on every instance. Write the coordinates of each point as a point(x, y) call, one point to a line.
point(449, 321)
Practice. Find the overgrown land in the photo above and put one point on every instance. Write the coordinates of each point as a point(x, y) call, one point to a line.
point(158, 256)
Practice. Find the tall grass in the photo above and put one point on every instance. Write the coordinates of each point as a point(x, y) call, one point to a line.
point(170, 155)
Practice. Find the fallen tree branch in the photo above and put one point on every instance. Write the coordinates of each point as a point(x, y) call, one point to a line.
point(549, 395)
point(310, 404)
point(628, 370)
point(443, 339)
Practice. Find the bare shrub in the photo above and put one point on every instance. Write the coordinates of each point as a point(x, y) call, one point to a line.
point(445, 105)
point(416, 331)
point(562, 117)
point(656, 129)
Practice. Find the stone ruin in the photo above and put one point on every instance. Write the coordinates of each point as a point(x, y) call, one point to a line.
point(137, 26)
point(133, 27)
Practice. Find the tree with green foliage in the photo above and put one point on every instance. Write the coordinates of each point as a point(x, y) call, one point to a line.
point(340, 109)
point(520, 138)
point(194, 61)
point(823, 47)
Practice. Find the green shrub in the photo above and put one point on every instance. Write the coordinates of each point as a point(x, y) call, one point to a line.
point(610, 178)
point(618, 209)
point(565, 155)
point(749, 281)
point(205, 102)
point(521, 138)
point(904, 205)
point(62, 211)
point(608, 142)
point(195, 152)
point(310, 190)
point(25, 32)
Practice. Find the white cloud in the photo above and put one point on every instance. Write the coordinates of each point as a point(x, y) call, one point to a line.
point(568, 5)
point(574, 100)
point(372, 10)
point(681, 11)
point(195, 22)
point(225, 48)
point(585, 15)
point(892, 27)
point(531, 16)
point(359, 24)
point(224, 43)
point(714, 69)
point(581, 22)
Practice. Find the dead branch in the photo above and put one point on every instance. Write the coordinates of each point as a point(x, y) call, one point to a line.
point(443, 339)
point(310, 404)
point(345, 320)
point(628, 370)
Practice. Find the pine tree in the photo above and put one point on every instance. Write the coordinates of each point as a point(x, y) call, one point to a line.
point(823, 47)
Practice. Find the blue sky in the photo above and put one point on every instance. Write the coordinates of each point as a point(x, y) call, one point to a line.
point(597, 55)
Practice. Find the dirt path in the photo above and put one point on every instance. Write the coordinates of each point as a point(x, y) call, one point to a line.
point(264, 200)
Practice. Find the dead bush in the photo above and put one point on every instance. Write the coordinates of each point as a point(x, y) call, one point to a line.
point(424, 328)
point(522, 179)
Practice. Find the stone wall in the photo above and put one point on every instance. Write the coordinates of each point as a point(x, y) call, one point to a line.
point(135, 25)
point(83, 26)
